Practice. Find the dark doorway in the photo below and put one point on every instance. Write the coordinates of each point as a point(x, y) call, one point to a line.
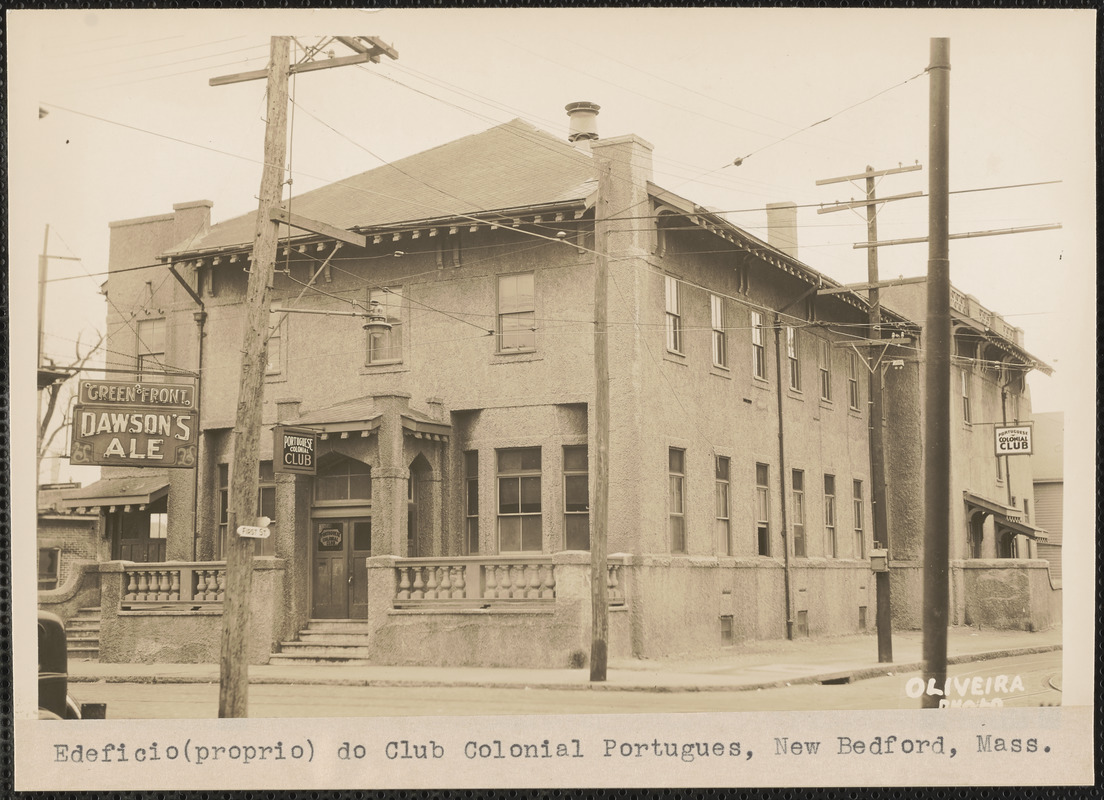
point(339, 579)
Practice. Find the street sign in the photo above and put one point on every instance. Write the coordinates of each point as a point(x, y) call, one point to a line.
point(253, 532)
point(135, 424)
point(295, 450)
point(1012, 440)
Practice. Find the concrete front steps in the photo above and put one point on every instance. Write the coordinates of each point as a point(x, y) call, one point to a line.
point(327, 641)
point(82, 635)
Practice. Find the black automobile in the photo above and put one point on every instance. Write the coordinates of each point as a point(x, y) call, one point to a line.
point(54, 701)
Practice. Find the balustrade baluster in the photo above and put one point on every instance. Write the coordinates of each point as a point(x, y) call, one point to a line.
point(614, 589)
point(490, 580)
point(431, 583)
point(404, 583)
point(162, 584)
point(221, 577)
point(532, 573)
point(132, 586)
point(199, 576)
point(548, 581)
point(444, 588)
point(519, 582)
point(419, 585)
point(143, 585)
point(457, 582)
point(505, 582)
point(174, 584)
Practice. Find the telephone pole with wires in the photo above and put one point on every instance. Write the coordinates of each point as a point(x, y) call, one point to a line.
point(236, 612)
point(883, 614)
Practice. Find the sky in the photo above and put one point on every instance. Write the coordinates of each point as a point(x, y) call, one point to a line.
point(800, 95)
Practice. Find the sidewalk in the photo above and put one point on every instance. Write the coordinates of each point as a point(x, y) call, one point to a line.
point(746, 666)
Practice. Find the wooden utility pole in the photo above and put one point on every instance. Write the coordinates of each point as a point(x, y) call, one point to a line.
point(937, 373)
point(599, 646)
point(234, 656)
point(884, 616)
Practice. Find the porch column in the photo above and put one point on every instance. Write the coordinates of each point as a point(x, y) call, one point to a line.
point(389, 481)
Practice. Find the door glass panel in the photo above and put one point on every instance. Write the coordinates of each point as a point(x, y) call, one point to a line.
point(362, 535)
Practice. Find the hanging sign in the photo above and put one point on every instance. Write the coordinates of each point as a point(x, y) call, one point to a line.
point(295, 450)
point(1013, 440)
point(135, 424)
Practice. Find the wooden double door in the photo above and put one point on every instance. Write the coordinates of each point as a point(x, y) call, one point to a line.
point(339, 575)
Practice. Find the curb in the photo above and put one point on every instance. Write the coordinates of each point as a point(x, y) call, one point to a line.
point(839, 676)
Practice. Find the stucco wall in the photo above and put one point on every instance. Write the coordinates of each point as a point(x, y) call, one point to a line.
point(80, 590)
point(163, 634)
point(1004, 593)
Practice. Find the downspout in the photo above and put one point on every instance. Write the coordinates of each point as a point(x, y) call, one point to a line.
point(200, 318)
point(787, 577)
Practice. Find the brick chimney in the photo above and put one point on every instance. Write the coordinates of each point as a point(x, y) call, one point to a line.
point(782, 227)
point(583, 123)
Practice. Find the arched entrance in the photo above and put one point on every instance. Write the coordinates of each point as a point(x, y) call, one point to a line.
point(417, 519)
point(341, 539)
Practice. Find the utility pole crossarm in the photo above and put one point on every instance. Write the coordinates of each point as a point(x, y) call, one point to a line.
point(870, 173)
point(971, 235)
point(363, 55)
point(865, 203)
point(314, 226)
point(854, 287)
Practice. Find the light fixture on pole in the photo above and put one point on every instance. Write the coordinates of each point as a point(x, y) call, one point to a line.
point(377, 323)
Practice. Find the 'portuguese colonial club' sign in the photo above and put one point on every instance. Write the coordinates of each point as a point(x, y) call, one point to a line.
point(295, 450)
point(1014, 440)
point(135, 424)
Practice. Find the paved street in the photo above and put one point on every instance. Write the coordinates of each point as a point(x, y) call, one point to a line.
point(1039, 673)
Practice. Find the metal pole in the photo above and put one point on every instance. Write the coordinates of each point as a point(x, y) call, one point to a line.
point(787, 566)
point(599, 646)
point(883, 613)
point(937, 400)
point(234, 656)
point(42, 261)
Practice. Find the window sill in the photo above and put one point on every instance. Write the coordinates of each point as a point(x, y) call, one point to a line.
point(795, 394)
point(516, 357)
point(760, 383)
point(675, 358)
point(389, 366)
point(275, 377)
point(827, 404)
point(721, 372)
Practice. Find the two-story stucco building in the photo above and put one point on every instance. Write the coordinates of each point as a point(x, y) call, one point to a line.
point(448, 521)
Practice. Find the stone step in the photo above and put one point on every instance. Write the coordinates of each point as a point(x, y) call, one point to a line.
point(307, 659)
point(84, 652)
point(332, 637)
point(83, 625)
point(338, 626)
point(326, 649)
point(73, 637)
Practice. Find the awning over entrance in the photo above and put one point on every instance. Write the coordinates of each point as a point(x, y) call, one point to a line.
point(361, 417)
point(1011, 518)
point(127, 493)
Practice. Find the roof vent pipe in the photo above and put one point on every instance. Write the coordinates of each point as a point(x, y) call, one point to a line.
point(584, 123)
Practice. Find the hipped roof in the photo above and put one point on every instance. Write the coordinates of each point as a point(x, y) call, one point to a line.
point(513, 165)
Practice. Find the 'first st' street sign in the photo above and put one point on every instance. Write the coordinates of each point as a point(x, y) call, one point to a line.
point(135, 424)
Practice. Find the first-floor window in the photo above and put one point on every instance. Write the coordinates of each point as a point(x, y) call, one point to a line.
point(266, 507)
point(762, 508)
point(49, 560)
point(798, 487)
point(576, 498)
point(860, 535)
point(676, 470)
point(724, 534)
point(471, 507)
point(830, 514)
point(519, 500)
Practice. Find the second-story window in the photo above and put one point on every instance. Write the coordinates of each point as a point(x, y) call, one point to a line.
point(386, 347)
point(793, 358)
point(151, 345)
point(576, 498)
point(830, 515)
point(798, 487)
point(520, 525)
point(824, 367)
point(758, 352)
point(517, 313)
point(720, 335)
point(673, 315)
point(853, 381)
point(965, 378)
